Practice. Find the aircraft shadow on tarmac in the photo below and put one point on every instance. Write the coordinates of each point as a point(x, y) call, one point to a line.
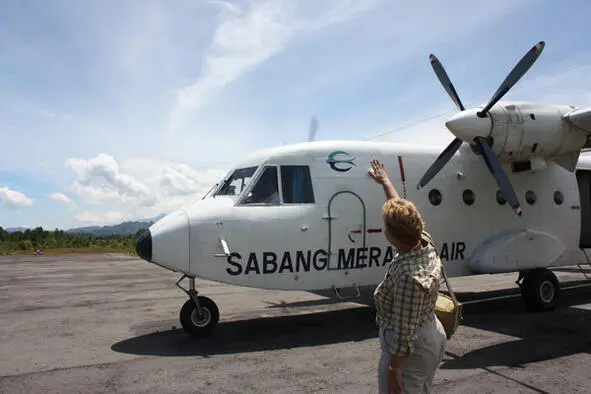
point(259, 334)
point(540, 336)
point(544, 336)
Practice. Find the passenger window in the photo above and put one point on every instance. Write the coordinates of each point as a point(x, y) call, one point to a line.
point(468, 197)
point(435, 197)
point(266, 190)
point(530, 197)
point(297, 185)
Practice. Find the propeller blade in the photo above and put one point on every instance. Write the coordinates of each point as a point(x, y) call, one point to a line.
point(500, 176)
point(444, 79)
point(515, 75)
point(313, 128)
point(441, 160)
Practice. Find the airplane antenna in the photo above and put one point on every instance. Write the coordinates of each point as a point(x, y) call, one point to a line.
point(412, 124)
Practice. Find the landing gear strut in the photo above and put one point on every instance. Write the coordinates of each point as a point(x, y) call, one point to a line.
point(540, 289)
point(199, 315)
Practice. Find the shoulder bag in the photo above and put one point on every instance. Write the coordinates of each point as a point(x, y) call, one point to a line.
point(447, 308)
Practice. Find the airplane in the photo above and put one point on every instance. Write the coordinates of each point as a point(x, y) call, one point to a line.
point(511, 193)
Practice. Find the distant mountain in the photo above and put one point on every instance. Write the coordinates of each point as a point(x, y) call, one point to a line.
point(14, 229)
point(125, 228)
point(152, 220)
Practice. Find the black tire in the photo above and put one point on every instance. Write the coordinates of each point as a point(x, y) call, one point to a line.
point(540, 290)
point(190, 320)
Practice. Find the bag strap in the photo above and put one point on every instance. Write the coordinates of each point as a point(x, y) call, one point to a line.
point(451, 292)
point(427, 238)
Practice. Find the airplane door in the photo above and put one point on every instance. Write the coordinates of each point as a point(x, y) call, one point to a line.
point(347, 232)
point(584, 183)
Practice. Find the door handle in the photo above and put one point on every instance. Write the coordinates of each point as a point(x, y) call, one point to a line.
point(224, 248)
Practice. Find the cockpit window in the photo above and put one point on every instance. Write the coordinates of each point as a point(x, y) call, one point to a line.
point(239, 179)
point(266, 190)
point(297, 185)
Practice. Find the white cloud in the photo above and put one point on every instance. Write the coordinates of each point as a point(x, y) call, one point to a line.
point(117, 185)
point(244, 39)
point(181, 179)
point(249, 36)
point(61, 197)
point(14, 199)
point(137, 189)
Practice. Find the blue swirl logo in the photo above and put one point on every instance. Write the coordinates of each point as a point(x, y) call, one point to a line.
point(340, 164)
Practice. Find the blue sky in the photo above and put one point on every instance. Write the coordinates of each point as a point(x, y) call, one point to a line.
point(119, 110)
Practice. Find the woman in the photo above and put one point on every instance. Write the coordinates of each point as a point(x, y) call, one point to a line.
point(412, 339)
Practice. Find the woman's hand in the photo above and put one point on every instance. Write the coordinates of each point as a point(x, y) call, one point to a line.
point(378, 172)
point(395, 381)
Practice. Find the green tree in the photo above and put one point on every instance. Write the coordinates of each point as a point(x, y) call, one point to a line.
point(25, 244)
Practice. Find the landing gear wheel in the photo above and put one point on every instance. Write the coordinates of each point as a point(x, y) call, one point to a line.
point(196, 325)
point(540, 290)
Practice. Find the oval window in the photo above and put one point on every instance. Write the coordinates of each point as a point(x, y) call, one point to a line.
point(530, 197)
point(435, 197)
point(558, 197)
point(468, 197)
point(500, 198)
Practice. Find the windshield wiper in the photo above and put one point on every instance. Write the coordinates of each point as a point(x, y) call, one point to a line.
point(206, 194)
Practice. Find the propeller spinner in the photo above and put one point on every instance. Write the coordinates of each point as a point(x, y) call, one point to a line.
point(473, 126)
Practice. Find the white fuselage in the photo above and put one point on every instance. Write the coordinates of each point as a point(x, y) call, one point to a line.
point(338, 240)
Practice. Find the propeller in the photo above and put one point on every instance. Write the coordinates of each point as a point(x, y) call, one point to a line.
point(515, 75)
point(445, 81)
point(500, 176)
point(441, 160)
point(469, 125)
point(312, 128)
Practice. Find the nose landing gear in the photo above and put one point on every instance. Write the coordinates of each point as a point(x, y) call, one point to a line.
point(199, 315)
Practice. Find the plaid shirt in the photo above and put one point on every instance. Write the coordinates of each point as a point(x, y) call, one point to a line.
point(406, 296)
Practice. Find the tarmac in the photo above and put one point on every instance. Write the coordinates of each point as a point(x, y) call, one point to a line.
point(109, 324)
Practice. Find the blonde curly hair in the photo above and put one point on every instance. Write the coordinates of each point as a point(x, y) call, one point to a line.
point(403, 221)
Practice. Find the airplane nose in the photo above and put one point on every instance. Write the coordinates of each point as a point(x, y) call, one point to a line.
point(143, 246)
point(466, 125)
point(168, 244)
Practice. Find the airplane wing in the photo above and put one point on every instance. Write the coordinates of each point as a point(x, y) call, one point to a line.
point(581, 118)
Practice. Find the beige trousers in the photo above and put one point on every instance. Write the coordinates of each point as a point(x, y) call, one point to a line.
point(419, 369)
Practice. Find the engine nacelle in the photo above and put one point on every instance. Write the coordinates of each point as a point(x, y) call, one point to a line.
point(528, 131)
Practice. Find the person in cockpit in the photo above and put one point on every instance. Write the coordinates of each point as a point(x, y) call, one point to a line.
point(265, 192)
point(270, 193)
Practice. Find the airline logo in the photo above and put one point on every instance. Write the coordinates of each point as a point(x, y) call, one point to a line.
point(341, 164)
